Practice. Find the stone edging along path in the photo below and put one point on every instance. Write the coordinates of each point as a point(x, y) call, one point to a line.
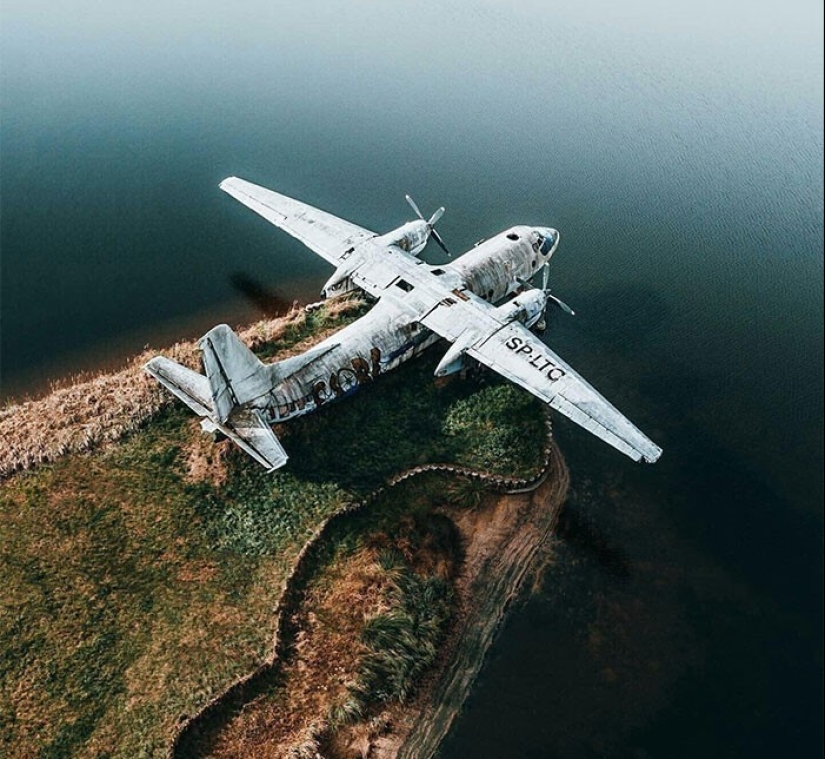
point(248, 686)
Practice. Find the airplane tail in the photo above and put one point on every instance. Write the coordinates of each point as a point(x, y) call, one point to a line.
point(231, 376)
point(236, 375)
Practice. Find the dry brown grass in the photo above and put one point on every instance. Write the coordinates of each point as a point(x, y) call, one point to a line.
point(121, 536)
point(95, 411)
point(323, 661)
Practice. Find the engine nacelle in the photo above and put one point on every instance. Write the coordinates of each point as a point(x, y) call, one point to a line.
point(341, 287)
point(411, 238)
point(527, 307)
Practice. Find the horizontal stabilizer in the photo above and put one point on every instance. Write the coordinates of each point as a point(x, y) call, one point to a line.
point(192, 388)
point(248, 429)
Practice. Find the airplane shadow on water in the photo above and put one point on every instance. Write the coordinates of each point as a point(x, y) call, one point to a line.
point(267, 300)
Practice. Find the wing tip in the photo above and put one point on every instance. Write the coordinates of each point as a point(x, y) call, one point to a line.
point(652, 456)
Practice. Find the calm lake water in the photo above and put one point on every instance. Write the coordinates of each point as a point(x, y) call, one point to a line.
point(678, 148)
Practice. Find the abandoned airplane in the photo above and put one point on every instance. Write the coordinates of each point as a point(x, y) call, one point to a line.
point(417, 304)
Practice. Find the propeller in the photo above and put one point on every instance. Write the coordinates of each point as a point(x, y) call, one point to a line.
point(431, 223)
point(558, 301)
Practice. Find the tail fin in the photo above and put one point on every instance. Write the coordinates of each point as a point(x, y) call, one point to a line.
point(235, 374)
point(247, 428)
point(234, 378)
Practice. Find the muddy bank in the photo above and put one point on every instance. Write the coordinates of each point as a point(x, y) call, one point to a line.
point(504, 547)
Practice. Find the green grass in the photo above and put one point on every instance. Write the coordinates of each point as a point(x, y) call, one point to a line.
point(403, 642)
point(406, 418)
point(312, 323)
point(418, 550)
point(131, 596)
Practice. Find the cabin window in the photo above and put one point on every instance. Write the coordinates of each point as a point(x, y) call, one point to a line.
point(438, 272)
point(512, 236)
point(533, 263)
point(404, 285)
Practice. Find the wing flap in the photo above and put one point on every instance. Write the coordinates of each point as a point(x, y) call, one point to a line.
point(325, 234)
point(596, 424)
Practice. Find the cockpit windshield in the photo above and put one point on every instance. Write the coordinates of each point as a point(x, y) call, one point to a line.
point(547, 244)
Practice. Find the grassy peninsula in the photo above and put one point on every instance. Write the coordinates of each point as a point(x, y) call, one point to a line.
point(142, 563)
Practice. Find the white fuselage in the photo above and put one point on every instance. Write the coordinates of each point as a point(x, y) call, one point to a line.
point(389, 333)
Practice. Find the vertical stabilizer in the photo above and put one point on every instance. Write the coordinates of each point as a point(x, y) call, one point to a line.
point(235, 375)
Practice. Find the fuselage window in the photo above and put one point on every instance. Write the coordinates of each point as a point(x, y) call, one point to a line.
point(512, 236)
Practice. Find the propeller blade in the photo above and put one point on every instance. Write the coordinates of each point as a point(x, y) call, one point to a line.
point(561, 304)
point(414, 207)
point(440, 242)
point(558, 301)
point(436, 216)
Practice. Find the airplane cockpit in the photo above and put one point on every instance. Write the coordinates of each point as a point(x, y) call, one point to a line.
point(546, 240)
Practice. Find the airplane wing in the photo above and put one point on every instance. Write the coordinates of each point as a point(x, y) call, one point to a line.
point(325, 234)
point(517, 354)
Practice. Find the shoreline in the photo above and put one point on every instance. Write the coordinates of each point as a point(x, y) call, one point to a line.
point(495, 579)
point(94, 409)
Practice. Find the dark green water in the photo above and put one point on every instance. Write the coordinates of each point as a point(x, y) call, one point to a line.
point(678, 148)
